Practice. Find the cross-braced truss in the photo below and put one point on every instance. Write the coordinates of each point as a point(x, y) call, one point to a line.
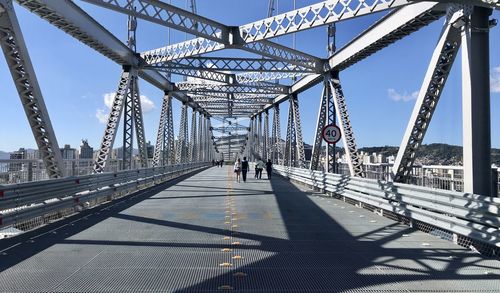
point(228, 86)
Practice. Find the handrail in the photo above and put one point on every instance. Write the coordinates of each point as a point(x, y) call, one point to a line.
point(24, 201)
point(470, 215)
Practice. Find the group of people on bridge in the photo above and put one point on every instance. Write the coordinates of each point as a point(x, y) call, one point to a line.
point(242, 167)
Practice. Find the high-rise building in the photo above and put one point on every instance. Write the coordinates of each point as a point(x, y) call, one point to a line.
point(86, 151)
point(68, 153)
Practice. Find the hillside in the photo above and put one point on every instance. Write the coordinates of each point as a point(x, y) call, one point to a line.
point(433, 154)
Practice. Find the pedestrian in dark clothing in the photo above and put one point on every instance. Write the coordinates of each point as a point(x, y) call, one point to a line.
point(244, 169)
point(269, 168)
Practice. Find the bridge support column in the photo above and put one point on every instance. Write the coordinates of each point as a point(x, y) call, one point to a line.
point(265, 145)
point(476, 103)
point(326, 116)
point(294, 153)
point(164, 148)
point(23, 74)
point(276, 136)
point(182, 140)
point(429, 95)
point(351, 150)
point(192, 142)
point(200, 138)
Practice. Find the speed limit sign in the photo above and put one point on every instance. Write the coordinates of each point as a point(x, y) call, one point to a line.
point(331, 133)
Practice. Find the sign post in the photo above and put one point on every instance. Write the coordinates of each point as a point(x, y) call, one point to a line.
point(331, 133)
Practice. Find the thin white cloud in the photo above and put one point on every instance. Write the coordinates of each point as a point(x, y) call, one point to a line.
point(108, 99)
point(405, 97)
point(102, 116)
point(495, 80)
point(102, 113)
point(146, 104)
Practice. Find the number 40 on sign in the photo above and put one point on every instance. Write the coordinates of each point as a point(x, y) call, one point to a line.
point(331, 133)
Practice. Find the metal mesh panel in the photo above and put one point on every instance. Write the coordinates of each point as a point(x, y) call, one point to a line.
point(464, 241)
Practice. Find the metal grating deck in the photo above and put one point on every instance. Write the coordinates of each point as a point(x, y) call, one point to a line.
point(208, 233)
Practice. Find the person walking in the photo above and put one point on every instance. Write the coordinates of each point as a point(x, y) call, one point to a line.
point(237, 169)
point(260, 168)
point(269, 169)
point(244, 169)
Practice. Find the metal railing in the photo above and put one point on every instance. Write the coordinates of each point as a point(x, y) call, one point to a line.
point(19, 171)
point(25, 206)
point(466, 216)
point(432, 176)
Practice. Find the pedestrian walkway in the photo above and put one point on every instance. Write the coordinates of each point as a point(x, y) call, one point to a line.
point(208, 233)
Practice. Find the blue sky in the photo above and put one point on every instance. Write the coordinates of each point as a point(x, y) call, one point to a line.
point(76, 81)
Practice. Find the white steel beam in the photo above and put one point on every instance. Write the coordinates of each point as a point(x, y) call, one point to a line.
point(112, 125)
point(71, 19)
point(350, 148)
point(23, 74)
point(428, 97)
point(389, 29)
point(168, 15)
point(232, 64)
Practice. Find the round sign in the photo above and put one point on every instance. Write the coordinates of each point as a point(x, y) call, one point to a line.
point(331, 133)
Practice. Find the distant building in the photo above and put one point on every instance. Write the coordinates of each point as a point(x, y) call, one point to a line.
point(151, 149)
point(68, 153)
point(18, 155)
point(86, 151)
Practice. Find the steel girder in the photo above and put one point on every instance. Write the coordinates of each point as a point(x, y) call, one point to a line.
point(294, 152)
point(128, 126)
point(200, 137)
point(265, 145)
point(216, 76)
point(350, 148)
point(127, 99)
point(192, 142)
point(254, 88)
point(113, 121)
point(230, 128)
point(233, 65)
point(183, 138)
point(320, 123)
point(202, 45)
point(71, 19)
point(200, 74)
point(139, 125)
point(23, 74)
point(391, 28)
point(248, 77)
point(168, 15)
point(276, 137)
point(428, 97)
point(326, 116)
point(164, 149)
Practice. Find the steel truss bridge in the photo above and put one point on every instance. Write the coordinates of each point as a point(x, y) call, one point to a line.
point(177, 225)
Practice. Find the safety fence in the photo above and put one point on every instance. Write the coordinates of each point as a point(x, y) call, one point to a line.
point(27, 170)
point(26, 206)
point(469, 220)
